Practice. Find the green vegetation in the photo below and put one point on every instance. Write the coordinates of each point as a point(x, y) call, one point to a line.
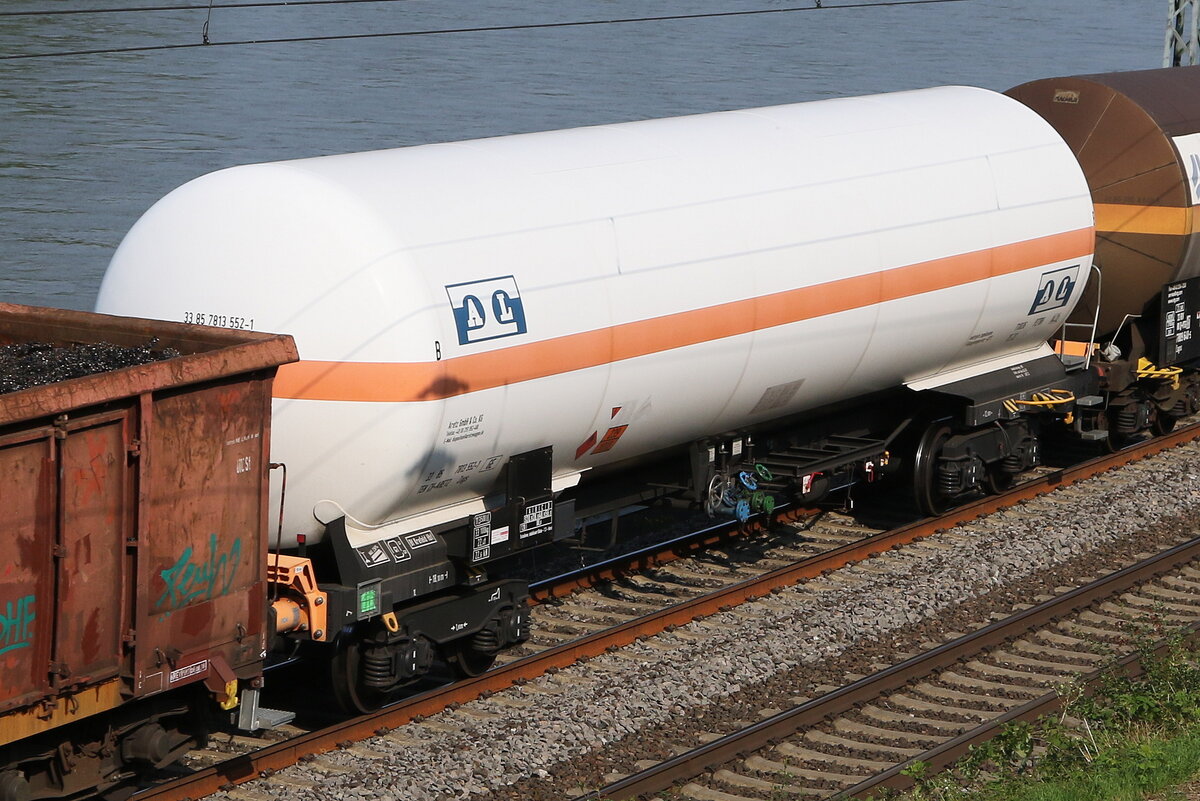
point(1125, 738)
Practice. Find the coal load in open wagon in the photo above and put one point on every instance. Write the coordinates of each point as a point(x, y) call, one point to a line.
point(31, 364)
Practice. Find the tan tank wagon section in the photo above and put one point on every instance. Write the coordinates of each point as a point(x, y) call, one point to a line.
point(1137, 138)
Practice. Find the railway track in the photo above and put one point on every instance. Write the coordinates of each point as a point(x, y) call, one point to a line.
point(857, 739)
point(610, 595)
point(641, 607)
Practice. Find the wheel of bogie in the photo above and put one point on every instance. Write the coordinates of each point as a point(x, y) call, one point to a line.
point(1163, 423)
point(928, 499)
point(346, 678)
point(465, 661)
point(13, 785)
point(1116, 441)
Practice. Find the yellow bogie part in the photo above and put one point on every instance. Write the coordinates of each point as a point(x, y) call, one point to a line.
point(231, 696)
point(1147, 369)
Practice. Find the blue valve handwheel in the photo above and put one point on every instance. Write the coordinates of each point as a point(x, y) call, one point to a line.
point(742, 511)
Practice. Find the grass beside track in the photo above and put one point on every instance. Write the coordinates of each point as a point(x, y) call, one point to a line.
point(1130, 738)
point(1137, 769)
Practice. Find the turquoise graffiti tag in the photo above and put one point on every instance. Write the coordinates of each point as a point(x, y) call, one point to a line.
point(191, 579)
point(16, 624)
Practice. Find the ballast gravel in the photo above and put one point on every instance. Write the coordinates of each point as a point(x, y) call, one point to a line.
point(540, 728)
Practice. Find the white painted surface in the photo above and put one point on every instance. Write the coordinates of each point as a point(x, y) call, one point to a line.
point(600, 227)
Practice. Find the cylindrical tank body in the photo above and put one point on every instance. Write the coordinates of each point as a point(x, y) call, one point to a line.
point(1137, 137)
point(615, 290)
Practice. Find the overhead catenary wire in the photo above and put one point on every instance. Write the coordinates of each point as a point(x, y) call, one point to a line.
point(477, 29)
point(59, 12)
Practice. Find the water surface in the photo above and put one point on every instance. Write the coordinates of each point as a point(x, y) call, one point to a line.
point(88, 143)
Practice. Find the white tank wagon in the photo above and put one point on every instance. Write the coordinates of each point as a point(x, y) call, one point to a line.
point(455, 304)
point(482, 323)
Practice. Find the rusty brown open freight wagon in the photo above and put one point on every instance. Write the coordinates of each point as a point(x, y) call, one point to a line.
point(133, 545)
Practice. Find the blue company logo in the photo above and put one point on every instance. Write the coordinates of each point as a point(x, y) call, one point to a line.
point(1054, 289)
point(487, 309)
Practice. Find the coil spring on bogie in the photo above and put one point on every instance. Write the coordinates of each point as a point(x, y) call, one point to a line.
point(1011, 464)
point(1127, 419)
point(486, 640)
point(948, 480)
point(376, 667)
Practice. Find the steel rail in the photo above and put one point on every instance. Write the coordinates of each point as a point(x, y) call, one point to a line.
point(264, 761)
point(790, 722)
point(660, 553)
point(946, 754)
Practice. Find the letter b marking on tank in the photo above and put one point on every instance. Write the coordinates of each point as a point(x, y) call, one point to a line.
point(1054, 289)
point(487, 309)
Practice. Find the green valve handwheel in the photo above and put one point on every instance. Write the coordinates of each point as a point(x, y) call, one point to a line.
point(763, 472)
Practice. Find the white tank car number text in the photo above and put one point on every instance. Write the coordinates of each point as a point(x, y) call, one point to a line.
point(457, 474)
point(219, 320)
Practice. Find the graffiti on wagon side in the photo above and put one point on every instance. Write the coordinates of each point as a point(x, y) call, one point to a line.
point(16, 624)
point(199, 578)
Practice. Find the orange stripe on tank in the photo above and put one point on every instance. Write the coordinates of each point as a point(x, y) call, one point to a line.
point(424, 381)
point(1117, 218)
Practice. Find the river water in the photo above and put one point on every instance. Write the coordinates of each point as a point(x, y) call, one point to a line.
point(88, 143)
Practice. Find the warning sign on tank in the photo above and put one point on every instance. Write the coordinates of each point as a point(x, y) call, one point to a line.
point(374, 555)
point(481, 530)
point(384, 552)
point(538, 519)
point(1179, 340)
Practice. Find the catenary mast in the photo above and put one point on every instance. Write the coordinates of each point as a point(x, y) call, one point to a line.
point(1181, 48)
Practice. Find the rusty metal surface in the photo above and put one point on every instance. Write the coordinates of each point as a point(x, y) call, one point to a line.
point(201, 545)
point(26, 579)
point(247, 767)
point(209, 354)
point(1120, 127)
point(135, 515)
point(27, 722)
point(94, 524)
point(840, 701)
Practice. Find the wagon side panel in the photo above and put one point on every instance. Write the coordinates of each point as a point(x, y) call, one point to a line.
point(96, 522)
point(27, 486)
point(201, 595)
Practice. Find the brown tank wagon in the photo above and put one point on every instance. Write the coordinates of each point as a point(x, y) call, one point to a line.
point(1137, 137)
point(133, 577)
